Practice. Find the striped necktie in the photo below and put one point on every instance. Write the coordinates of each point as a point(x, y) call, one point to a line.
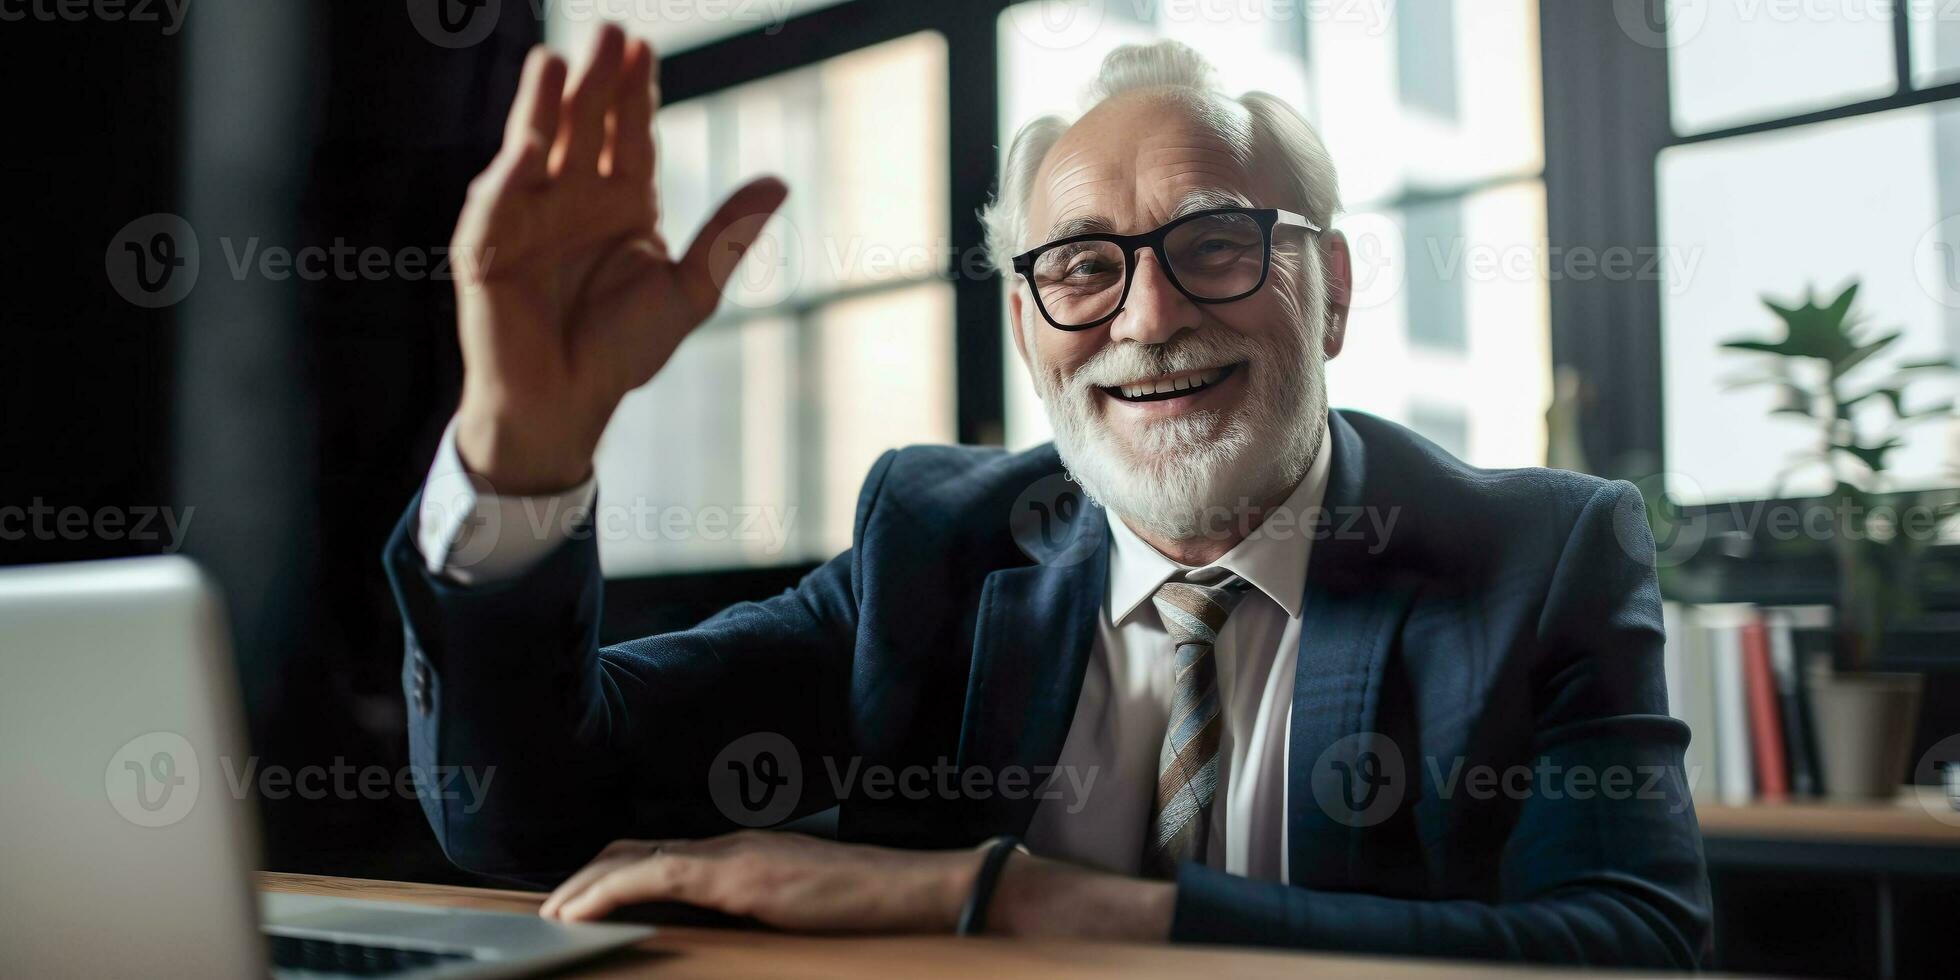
point(1187, 764)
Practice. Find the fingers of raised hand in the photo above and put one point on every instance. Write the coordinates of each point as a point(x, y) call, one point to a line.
point(711, 258)
point(533, 121)
point(629, 147)
point(582, 125)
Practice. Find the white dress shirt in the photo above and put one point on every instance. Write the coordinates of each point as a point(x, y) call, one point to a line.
point(471, 536)
point(1126, 703)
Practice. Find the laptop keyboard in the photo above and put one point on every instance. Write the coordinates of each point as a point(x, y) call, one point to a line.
point(332, 958)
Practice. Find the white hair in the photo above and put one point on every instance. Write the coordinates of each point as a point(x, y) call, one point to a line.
point(1266, 133)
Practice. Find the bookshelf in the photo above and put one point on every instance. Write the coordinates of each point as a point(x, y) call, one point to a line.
point(1902, 822)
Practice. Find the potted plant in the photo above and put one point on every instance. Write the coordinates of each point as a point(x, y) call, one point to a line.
point(1824, 372)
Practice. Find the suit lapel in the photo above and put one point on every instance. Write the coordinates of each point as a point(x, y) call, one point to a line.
point(1340, 778)
point(1033, 633)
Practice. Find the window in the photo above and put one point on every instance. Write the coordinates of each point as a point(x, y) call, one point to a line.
point(835, 340)
point(1793, 205)
point(1935, 34)
point(1736, 63)
point(1433, 116)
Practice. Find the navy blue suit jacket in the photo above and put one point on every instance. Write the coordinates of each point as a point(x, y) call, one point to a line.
point(1490, 667)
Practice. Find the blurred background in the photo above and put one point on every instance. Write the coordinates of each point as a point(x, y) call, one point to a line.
point(226, 307)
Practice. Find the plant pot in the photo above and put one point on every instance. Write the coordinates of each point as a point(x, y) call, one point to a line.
point(1864, 726)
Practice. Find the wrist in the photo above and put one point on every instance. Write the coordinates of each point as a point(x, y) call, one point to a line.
point(516, 455)
point(1041, 897)
point(982, 875)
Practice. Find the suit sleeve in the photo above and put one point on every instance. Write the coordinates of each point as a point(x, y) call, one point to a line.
point(533, 746)
point(1613, 878)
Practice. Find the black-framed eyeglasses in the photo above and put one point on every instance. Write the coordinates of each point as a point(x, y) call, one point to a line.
point(1212, 256)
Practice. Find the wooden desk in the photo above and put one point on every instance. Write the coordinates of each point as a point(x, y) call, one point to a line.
point(677, 951)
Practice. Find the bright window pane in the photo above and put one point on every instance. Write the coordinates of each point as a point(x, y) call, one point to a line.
point(1776, 214)
point(1445, 94)
point(1449, 332)
point(1735, 63)
point(834, 341)
point(885, 363)
point(672, 25)
point(1935, 42)
point(713, 434)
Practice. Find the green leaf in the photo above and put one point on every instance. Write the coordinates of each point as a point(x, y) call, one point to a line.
point(1754, 345)
point(1894, 395)
point(1863, 352)
point(1825, 333)
point(1872, 456)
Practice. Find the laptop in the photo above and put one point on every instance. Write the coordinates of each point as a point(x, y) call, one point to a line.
point(124, 849)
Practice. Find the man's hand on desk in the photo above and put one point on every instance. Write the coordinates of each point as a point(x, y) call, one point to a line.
point(792, 881)
point(569, 298)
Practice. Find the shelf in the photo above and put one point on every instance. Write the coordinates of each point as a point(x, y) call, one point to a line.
point(1911, 820)
point(1906, 837)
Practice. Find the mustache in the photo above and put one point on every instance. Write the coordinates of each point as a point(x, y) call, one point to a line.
point(1187, 350)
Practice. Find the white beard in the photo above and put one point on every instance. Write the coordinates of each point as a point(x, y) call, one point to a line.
point(1185, 477)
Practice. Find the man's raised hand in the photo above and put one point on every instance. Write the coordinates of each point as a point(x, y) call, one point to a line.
point(568, 298)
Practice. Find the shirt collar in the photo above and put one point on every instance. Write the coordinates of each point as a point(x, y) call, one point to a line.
point(1273, 557)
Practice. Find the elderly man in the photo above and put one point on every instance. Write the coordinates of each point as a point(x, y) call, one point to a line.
point(1290, 677)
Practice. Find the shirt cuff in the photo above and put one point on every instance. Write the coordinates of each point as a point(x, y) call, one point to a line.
point(470, 535)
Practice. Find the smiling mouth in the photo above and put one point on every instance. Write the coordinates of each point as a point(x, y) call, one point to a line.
point(1181, 385)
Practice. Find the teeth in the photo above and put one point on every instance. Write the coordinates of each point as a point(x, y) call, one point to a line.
point(1164, 385)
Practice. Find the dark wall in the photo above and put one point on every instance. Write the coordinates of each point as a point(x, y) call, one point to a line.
point(285, 420)
point(91, 144)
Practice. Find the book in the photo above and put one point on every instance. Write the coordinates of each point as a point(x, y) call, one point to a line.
point(1734, 766)
point(1765, 720)
point(1691, 694)
point(1792, 698)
